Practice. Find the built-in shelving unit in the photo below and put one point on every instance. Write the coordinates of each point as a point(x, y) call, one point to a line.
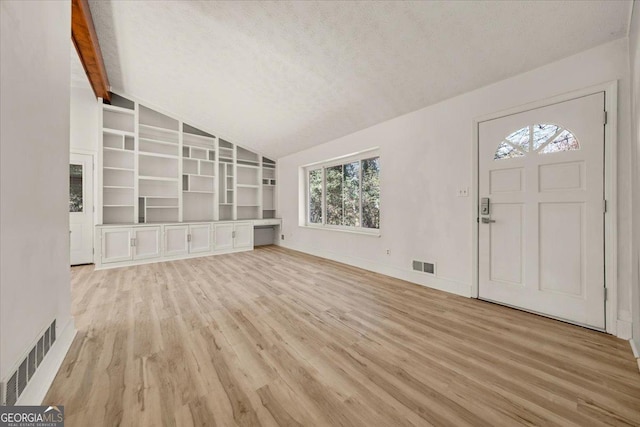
point(268, 188)
point(118, 164)
point(226, 180)
point(158, 169)
point(198, 174)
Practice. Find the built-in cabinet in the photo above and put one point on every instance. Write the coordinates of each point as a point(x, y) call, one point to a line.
point(141, 243)
point(128, 244)
point(234, 235)
point(187, 239)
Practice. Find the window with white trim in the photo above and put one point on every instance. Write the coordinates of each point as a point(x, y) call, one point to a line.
point(344, 193)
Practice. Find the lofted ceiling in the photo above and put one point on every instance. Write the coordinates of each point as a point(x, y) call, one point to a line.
point(280, 77)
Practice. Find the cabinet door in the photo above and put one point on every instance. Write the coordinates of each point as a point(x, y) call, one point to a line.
point(147, 243)
point(116, 245)
point(223, 236)
point(176, 240)
point(200, 238)
point(243, 235)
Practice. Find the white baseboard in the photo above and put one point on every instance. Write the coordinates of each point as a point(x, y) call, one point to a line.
point(623, 329)
point(37, 388)
point(635, 347)
point(439, 283)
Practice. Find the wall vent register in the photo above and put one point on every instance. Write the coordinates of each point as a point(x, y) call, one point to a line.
point(424, 267)
point(13, 387)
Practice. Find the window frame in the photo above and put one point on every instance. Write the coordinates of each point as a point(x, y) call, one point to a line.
point(322, 166)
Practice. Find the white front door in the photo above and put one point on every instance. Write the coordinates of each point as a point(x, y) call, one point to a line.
point(541, 234)
point(81, 209)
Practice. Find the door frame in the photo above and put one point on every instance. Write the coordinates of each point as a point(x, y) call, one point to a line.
point(610, 90)
point(94, 187)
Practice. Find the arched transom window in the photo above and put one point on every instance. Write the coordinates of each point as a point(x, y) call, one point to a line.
point(538, 138)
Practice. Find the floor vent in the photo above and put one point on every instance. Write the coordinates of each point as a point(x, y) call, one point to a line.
point(424, 267)
point(11, 389)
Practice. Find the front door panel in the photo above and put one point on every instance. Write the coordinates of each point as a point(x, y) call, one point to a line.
point(541, 246)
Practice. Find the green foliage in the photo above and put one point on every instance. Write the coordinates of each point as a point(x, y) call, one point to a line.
point(344, 196)
point(315, 196)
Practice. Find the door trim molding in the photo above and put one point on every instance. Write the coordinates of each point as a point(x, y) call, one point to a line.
point(610, 90)
point(94, 189)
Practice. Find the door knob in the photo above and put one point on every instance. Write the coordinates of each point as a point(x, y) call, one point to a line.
point(487, 220)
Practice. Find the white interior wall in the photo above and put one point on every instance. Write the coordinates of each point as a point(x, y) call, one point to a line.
point(84, 120)
point(34, 175)
point(426, 157)
point(634, 61)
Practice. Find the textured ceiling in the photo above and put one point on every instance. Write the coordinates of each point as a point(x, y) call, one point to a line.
point(280, 77)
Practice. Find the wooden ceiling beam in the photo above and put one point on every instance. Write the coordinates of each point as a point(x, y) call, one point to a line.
point(85, 39)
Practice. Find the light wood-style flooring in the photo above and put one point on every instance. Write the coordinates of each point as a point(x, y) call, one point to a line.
point(277, 338)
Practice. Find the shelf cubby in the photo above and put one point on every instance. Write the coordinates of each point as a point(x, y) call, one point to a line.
point(200, 183)
point(225, 212)
point(117, 177)
point(207, 168)
point(121, 102)
point(117, 214)
point(197, 206)
point(112, 140)
point(154, 166)
point(151, 118)
point(247, 176)
point(117, 196)
point(158, 147)
point(248, 212)
point(118, 119)
point(162, 214)
point(118, 158)
point(155, 202)
point(156, 188)
point(248, 196)
point(158, 134)
point(189, 166)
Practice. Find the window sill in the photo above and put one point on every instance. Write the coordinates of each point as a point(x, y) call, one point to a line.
point(373, 233)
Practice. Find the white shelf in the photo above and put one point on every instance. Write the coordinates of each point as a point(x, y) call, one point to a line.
point(190, 135)
point(198, 191)
point(118, 206)
point(247, 166)
point(157, 178)
point(159, 197)
point(157, 141)
point(162, 207)
point(165, 156)
point(150, 127)
point(118, 132)
point(122, 150)
point(247, 186)
point(111, 168)
point(118, 186)
point(116, 109)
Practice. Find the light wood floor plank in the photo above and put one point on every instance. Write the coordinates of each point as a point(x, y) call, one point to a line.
point(274, 337)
